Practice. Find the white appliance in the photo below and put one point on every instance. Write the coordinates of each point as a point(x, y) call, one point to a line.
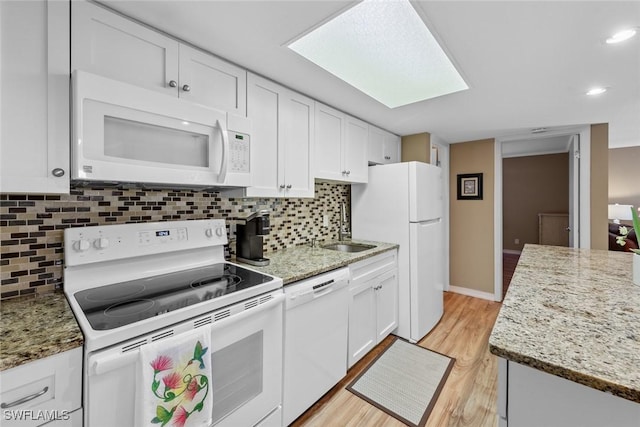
point(402, 203)
point(125, 133)
point(315, 346)
point(132, 284)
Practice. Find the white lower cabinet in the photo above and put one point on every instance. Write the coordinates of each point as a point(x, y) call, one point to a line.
point(528, 397)
point(373, 303)
point(44, 391)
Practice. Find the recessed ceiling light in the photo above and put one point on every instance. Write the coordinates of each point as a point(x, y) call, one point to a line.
point(384, 49)
point(622, 36)
point(596, 91)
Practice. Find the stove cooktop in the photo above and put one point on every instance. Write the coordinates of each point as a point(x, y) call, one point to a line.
point(111, 306)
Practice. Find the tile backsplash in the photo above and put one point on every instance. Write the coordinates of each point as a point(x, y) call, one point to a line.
point(31, 247)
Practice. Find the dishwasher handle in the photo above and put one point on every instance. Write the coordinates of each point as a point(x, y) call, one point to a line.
point(314, 292)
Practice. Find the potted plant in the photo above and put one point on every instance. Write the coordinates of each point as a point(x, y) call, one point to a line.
point(636, 252)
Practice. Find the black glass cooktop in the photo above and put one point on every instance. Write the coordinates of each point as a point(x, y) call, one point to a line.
point(120, 304)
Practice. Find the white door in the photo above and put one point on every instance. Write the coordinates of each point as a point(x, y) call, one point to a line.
point(386, 304)
point(297, 134)
point(329, 140)
point(210, 81)
point(391, 148)
point(425, 192)
point(574, 192)
point(112, 46)
point(426, 276)
point(375, 150)
point(354, 150)
point(362, 320)
point(263, 106)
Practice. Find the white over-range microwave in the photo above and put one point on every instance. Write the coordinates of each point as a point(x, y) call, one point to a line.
point(127, 134)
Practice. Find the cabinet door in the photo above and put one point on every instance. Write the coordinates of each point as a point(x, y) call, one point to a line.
point(329, 140)
point(375, 152)
point(210, 81)
point(362, 320)
point(108, 44)
point(263, 106)
point(354, 150)
point(386, 304)
point(391, 148)
point(34, 106)
point(296, 139)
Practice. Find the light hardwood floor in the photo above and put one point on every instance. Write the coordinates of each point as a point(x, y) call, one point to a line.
point(469, 395)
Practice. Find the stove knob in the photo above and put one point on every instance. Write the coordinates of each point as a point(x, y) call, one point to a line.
point(101, 243)
point(208, 232)
point(219, 231)
point(81, 245)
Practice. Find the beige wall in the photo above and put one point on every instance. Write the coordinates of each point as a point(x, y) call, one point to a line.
point(624, 176)
point(471, 229)
point(416, 148)
point(599, 185)
point(531, 185)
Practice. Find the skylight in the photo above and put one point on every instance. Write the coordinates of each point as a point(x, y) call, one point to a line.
point(384, 49)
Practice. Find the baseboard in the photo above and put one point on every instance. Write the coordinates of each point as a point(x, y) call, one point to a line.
point(472, 293)
point(511, 251)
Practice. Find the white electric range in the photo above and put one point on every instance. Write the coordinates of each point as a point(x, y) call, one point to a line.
point(132, 284)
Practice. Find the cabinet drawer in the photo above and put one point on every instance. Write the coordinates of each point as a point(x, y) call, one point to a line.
point(43, 390)
point(366, 269)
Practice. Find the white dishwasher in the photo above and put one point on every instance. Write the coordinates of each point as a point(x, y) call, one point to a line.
point(315, 339)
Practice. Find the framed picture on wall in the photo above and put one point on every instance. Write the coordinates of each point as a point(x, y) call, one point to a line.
point(470, 186)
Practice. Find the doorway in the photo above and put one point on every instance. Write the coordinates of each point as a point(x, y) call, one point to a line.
point(537, 179)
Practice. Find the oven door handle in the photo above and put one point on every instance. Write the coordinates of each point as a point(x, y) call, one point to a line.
point(278, 299)
point(101, 365)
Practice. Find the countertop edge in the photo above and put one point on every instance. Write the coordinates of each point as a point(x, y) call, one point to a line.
point(568, 374)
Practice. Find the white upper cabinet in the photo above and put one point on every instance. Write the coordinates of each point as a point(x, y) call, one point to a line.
point(210, 81)
point(34, 106)
point(281, 140)
point(391, 148)
point(113, 46)
point(341, 146)
point(384, 147)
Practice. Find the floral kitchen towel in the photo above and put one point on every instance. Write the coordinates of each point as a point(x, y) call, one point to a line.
point(174, 387)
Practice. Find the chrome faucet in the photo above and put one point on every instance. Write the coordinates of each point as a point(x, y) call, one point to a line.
point(343, 226)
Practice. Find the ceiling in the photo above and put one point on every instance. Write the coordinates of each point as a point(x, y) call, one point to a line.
point(528, 63)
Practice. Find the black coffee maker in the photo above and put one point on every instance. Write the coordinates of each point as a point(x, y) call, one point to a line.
point(249, 238)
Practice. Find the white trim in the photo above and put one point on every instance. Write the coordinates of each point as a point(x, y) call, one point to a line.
point(443, 157)
point(511, 251)
point(497, 222)
point(473, 293)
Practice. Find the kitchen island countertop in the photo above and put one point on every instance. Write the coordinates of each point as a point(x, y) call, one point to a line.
point(35, 328)
point(300, 262)
point(573, 313)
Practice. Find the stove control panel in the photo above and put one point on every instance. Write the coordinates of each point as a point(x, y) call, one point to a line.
point(84, 245)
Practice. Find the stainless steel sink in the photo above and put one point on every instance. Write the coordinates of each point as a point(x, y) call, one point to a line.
point(348, 247)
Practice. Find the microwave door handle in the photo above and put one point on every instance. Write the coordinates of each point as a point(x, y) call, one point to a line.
point(225, 152)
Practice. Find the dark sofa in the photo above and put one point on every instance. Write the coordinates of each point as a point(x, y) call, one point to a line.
point(630, 243)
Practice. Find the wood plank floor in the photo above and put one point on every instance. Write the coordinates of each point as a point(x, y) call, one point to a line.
point(509, 263)
point(469, 395)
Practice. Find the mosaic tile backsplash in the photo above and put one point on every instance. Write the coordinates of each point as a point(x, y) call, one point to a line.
point(31, 247)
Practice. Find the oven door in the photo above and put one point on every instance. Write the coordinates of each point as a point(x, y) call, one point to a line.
point(126, 133)
point(246, 360)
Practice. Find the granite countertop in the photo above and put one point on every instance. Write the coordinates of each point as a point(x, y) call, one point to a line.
point(301, 262)
point(574, 313)
point(35, 328)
